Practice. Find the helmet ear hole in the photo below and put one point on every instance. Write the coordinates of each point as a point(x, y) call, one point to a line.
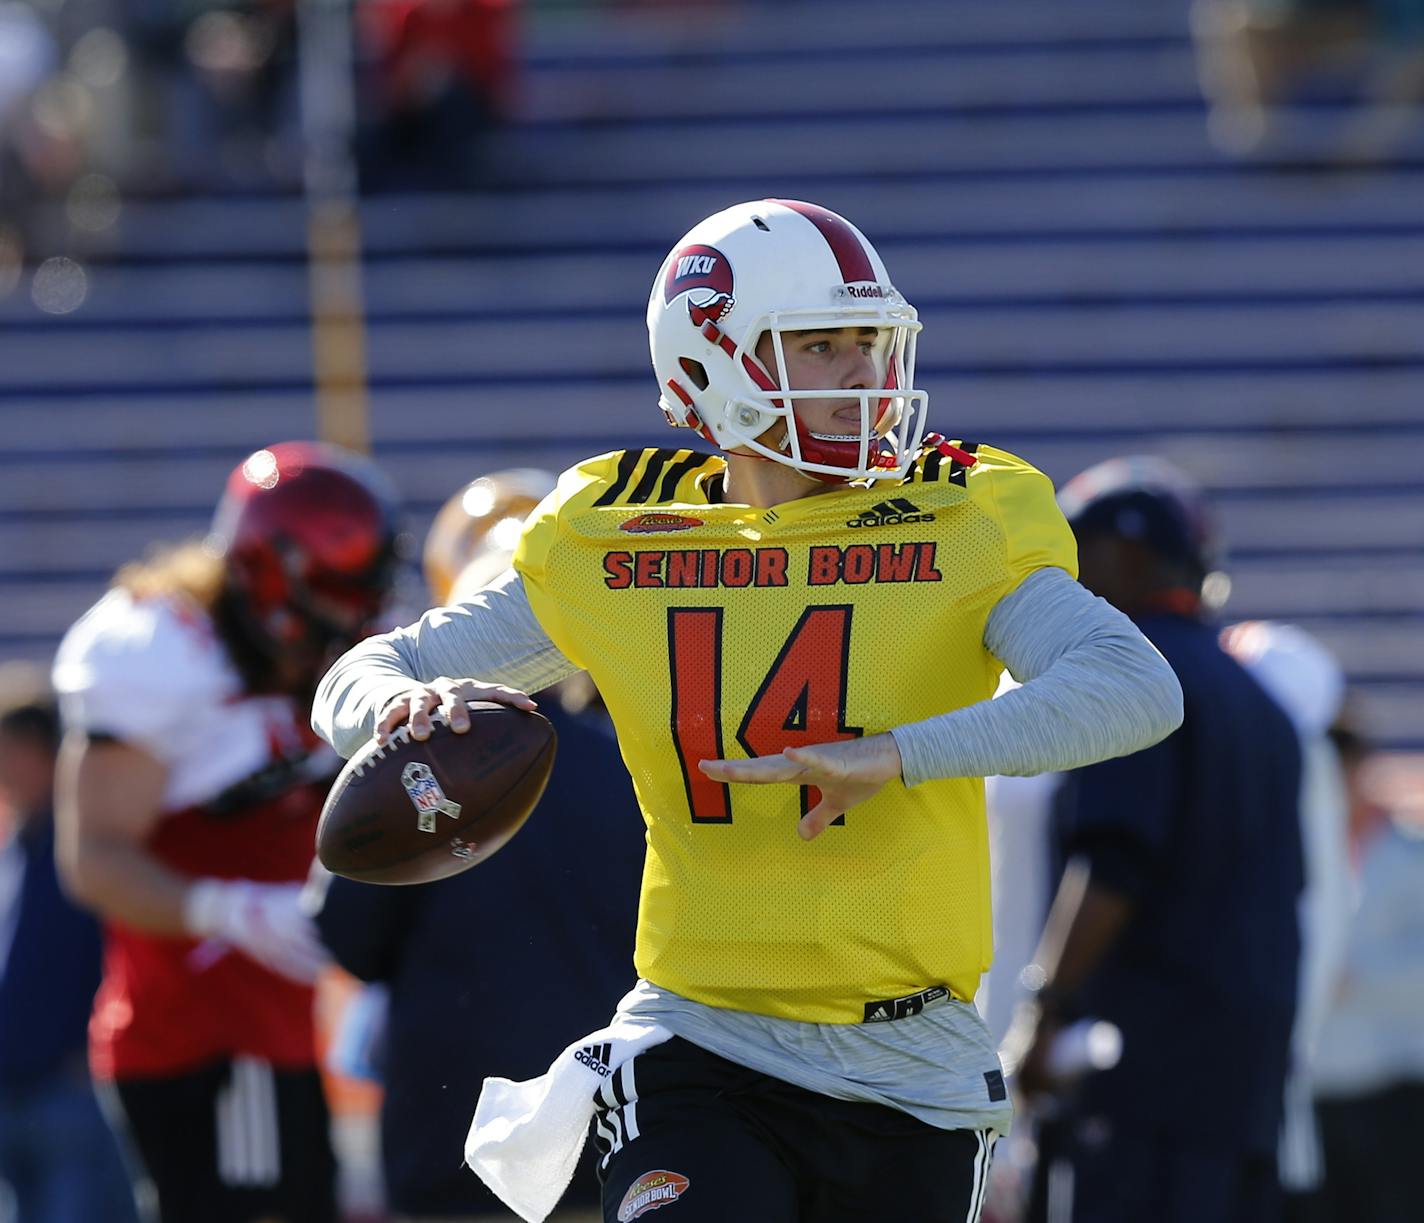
point(696, 372)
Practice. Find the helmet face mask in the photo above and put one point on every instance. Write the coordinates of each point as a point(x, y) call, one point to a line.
point(776, 268)
point(874, 448)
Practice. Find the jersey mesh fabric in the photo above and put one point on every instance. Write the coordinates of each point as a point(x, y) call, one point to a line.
point(717, 629)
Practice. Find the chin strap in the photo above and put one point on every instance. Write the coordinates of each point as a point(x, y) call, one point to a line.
point(962, 457)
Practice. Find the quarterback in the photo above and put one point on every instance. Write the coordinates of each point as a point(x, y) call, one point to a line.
point(797, 639)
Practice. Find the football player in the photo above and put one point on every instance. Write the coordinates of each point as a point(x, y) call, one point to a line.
point(797, 639)
point(189, 790)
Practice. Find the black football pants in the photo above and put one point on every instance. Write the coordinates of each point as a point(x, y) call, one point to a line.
point(700, 1139)
point(234, 1142)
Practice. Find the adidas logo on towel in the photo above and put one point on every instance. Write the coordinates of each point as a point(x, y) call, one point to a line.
point(890, 514)
point(596, 1058)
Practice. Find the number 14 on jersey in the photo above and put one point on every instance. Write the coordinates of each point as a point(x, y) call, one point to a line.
point(801, 700)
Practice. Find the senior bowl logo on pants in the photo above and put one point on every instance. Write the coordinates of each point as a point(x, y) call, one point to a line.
point(651, 1191)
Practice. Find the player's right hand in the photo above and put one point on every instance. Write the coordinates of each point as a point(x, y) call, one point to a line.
point(418, 703)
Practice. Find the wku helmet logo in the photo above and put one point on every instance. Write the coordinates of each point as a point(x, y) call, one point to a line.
point(703, 273)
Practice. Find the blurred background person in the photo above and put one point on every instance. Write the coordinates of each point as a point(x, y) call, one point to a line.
point(202, 93)
point(1175, 918)
point(440, 75)
point(488, 970)
point(40, 142)
point(189, 788)
point(1369, 1067)
point(59, 1162)
point(1307, 682)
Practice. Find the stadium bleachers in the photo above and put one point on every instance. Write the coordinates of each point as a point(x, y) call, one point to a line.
point(1094, 279)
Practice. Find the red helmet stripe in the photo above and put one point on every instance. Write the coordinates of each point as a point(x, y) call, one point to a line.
point(850, 254)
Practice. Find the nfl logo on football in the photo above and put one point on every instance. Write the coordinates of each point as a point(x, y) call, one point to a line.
point(426, 795)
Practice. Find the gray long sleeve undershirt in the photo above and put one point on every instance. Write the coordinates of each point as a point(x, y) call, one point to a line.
point(1093, 686)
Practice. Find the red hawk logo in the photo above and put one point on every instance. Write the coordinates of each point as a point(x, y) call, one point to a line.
point(703, 273)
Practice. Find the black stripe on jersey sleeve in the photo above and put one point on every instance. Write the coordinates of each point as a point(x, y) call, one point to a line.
point(657, 460)
point(678, 471)
point(958, 472)
point(627, 461)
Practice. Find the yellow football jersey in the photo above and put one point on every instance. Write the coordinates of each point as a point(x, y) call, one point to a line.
point(720, 630)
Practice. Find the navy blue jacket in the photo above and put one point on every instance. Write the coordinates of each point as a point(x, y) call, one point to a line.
point(494, 971)
point(48, 980)
point(1202, 831)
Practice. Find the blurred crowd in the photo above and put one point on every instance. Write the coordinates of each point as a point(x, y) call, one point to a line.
point(1257, 57)
point(102, 98)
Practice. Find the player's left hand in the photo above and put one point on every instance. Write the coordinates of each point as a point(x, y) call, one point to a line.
point(845, 773)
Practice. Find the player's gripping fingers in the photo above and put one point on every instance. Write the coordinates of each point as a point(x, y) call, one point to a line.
point(412, 707)
point(501, 694)
point(458, 692)
point(394, 715)
point(446, 697)
point(422, 705)
point(456, 712)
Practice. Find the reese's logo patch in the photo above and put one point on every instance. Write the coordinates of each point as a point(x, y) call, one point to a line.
point(651, 1191)
point(651, 524)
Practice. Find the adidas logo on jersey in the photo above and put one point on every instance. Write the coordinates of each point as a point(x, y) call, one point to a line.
point(890, 514)
point(596, 1058)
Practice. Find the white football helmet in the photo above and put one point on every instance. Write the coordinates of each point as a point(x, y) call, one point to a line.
point(782, 266)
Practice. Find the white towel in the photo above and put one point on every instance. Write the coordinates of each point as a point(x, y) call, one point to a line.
point(525, 1140)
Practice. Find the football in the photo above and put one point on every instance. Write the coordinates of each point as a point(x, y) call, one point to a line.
point(412, 811)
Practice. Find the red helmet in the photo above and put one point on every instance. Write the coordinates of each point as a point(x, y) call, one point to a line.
point(308, 532)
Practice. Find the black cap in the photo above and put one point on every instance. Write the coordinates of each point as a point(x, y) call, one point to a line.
point(1144, 498)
